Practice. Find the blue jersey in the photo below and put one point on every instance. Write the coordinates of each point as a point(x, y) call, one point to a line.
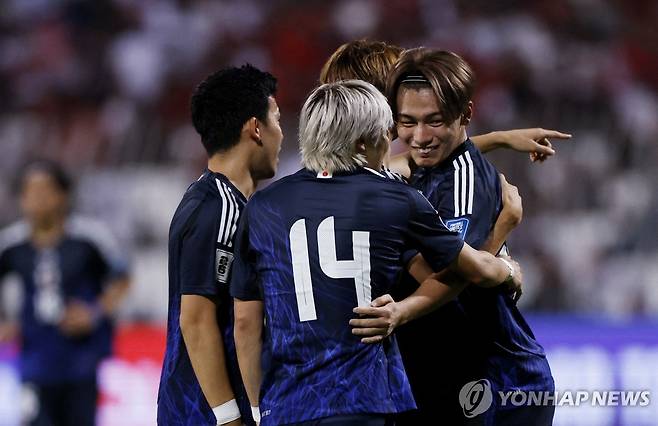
point(76, 268)
point(313, 247)
point(200, 260)
point(486, 335)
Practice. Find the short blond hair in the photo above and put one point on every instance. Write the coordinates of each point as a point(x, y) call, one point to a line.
point(335, 117)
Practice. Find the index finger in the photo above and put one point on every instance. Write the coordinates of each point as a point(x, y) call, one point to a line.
point(556, 134)
point(369, 310)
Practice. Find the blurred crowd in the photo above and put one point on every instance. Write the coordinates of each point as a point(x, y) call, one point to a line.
point(103, 86)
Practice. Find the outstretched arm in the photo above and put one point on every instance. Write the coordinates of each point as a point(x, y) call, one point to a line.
point(535, 141)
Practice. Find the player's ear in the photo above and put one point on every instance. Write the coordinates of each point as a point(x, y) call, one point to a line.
point(252, 129)
point(467, 114)
point(361, 147)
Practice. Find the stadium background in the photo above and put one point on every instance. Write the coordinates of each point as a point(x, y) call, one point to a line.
point(103, 86)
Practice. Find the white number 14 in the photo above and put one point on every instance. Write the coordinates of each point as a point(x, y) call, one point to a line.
point(358, 268)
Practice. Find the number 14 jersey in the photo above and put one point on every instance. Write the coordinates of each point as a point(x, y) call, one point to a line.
point(312, 247)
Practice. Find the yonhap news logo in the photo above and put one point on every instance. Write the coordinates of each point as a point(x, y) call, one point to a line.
point(477, 397)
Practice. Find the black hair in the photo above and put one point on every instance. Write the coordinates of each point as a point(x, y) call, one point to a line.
point(49, 167)
point(225, 100)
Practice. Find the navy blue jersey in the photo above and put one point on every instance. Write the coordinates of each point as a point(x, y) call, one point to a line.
point(312, 247)
point(484, 333)
point(76, 268)
point(200, 261)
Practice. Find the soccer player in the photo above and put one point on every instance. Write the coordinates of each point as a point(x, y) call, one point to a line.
point(235, 113)
point(73, 277)
point(430, 92)
point(312, 245)
point(372, 61)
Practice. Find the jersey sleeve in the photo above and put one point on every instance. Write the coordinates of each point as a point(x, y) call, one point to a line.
point(117, 263)
point(113, 263)
point(244, 281)
point(474, 200)
point(198, 253)
point(438, 245)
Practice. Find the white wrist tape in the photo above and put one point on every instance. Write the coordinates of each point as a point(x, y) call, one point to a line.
point(255, 413)
point(510, 267)
point(227, 412)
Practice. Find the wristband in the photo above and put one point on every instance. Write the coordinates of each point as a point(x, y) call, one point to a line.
point(510, 277)
point(255, 413)
point(226, 412)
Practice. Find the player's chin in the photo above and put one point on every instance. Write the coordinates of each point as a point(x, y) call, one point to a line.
point(425, 160)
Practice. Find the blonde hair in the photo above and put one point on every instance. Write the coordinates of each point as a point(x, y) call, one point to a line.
point(335, 117)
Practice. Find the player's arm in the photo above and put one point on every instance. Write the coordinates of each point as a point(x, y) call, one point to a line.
point(205, 347)
point(248, 345)
point(384, 315)
point(200, 293)
point(509, 218)
point(9, 328)
point(467, 265)
point(81, 318)
point(534, 141)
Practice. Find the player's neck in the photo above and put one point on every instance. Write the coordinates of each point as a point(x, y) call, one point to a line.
point(48, 233)
point(236, 170)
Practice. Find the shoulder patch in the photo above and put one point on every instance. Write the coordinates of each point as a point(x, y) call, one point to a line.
point(223, 262)
point(458, 225)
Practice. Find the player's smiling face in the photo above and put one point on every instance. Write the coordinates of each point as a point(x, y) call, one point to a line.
point(421, 126)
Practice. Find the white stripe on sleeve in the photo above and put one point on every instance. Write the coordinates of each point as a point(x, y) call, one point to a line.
point(236, 216)
point(222, 223)
point(463, 185)
point(471, 183)
point(456, 187)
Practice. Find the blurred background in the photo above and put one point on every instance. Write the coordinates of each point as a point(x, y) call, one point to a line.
point(103, 87)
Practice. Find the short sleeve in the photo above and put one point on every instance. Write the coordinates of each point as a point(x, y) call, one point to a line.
point(112, 255)
point(113, 261)
point(473, 213)
point(407, 255)
point(198, 254)
point(438, 245)
point(245, 284)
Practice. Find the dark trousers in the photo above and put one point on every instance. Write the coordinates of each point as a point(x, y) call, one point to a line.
point(69, 404)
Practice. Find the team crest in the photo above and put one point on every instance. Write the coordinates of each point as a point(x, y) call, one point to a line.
point(459, 226)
